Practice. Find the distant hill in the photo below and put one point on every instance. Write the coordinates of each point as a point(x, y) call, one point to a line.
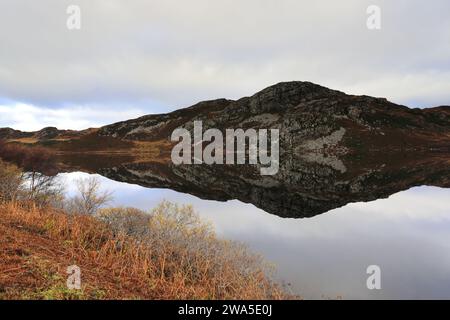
point(48, 133)
point(301, 110)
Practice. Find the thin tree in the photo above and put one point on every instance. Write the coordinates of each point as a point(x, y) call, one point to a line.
point(90, 198)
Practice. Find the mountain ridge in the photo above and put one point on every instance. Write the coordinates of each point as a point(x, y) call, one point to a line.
point(299, 109)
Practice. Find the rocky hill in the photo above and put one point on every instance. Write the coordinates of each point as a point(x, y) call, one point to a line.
point(334, 149)
point(300, 110)
point(303, 111)
point(48, 133)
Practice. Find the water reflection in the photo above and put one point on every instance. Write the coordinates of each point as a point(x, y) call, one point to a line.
point(407, 235)
point(406, 231)
point(300, 189)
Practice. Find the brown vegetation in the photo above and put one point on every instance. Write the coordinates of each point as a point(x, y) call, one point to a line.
point(11, 180)
point(30, 174)
point(123, 253)
point(37, 245)
point(30, 159)
point(90, 142)
point(90, 198)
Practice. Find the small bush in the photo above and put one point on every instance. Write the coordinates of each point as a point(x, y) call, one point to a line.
point(32, 172)
point(186, 249)
point(90, 198)
point(11, 182)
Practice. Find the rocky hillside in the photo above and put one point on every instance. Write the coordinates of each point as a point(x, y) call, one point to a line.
point(304, 111)
point(48, 133)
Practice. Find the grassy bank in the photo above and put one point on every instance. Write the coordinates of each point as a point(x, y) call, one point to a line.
point(37, 245)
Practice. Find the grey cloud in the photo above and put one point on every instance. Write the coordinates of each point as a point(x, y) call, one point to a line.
point(176, 53)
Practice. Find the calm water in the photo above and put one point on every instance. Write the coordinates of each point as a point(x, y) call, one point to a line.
point(407, 235)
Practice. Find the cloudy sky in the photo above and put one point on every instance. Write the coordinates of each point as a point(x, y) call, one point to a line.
point(137, 57)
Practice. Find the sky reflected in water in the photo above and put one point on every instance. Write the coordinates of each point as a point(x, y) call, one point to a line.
point(407, 235)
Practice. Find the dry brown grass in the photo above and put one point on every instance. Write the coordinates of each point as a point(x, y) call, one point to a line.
point(37, 245)
point(156, 151)
point(24, 140)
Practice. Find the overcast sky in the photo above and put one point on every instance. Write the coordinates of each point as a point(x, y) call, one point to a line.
point(137, 57)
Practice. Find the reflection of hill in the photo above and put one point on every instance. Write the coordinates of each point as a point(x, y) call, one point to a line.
point(300, 189)
point(334, 149)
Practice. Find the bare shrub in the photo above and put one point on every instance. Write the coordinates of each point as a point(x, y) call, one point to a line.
point(90, 198)
point(16, 185)
point(38, 169)
point(43, 190)
point(184, 246)
point(11, 182)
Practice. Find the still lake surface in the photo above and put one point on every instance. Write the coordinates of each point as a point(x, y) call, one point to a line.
point(407, 235)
